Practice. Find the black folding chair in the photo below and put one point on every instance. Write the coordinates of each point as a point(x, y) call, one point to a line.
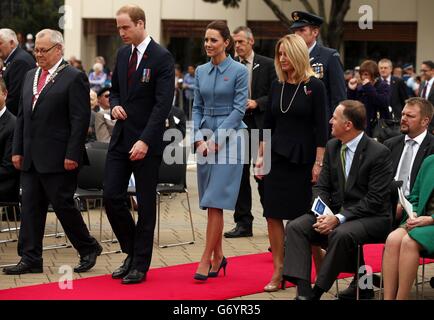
point(172, 179)
point(90, 184)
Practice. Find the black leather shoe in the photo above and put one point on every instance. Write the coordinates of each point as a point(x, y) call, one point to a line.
point(305, 298)
point(88, 261)
point(134, 276)
point(239, 231)
point(22, 268)
point(123, 270)
point(350, 293)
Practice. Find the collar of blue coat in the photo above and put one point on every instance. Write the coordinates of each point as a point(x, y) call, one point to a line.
point(222, 66)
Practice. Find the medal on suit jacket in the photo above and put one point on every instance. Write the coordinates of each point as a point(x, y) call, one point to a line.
point(146, 77)
point(318, 68)
point(36, 94)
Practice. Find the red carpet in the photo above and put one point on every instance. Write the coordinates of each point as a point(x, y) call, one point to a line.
point(246, 275)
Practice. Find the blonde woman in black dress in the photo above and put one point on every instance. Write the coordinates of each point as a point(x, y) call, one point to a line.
point(296, 116)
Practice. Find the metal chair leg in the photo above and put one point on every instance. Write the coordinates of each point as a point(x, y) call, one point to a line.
point(337, 288)
point(158, 218)
point(88, 213)
point(423, 278)
point(357, 273)
point(158, 227)
point(191, 217)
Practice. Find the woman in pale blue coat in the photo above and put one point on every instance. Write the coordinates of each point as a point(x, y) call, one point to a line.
point(220, 101)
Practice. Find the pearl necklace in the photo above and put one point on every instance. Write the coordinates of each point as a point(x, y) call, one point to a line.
point(36, 78)
point(292, 100)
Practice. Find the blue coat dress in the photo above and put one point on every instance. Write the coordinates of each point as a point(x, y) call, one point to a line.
point(219, 105)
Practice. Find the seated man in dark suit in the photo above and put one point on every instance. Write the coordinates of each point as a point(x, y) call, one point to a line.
point(408, 151)
point(16, 64)
point(354, 183)
point(9, 176)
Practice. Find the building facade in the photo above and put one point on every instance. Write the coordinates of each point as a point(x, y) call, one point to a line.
point(402, 29)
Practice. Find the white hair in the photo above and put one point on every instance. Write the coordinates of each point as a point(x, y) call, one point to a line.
point(8, 35)
point(55, 36)
point(98, 67)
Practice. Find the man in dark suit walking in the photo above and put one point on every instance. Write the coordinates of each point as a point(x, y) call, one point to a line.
point(48, 148)
point(354, 184)
point(9, 177)
point(261, 75)
point(325, 61)
point(408, 151)
point(426, 90)
point(398, 88)
point(16, 63)
point(140, 98)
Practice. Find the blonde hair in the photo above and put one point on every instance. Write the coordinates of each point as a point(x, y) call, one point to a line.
point(298, 54)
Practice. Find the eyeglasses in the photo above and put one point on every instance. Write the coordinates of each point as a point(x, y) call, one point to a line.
point(107, 95)
point(424, 70)
point(43, 51)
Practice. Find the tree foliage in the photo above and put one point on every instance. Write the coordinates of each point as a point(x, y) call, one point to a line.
point(332, 30)
point(30, 16)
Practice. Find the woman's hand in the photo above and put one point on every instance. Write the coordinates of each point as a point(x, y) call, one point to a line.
point(212, 146)
point(258, 168)
point(352, 84)
point(201, 148)
point(419, 222)
point(316, 170)
point(365, 81)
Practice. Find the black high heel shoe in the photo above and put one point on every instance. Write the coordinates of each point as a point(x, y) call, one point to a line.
point(223, 265)
point(202, 277)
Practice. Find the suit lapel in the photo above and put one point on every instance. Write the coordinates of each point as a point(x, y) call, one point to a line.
point(3, 120)
point(355, 165)
point(49, 85)
point(255, 73)
point(340, 169)
point(143, 63)
point(420, 156)
point(397, 152)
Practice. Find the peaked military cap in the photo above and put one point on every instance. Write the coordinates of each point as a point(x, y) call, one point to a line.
point(302, 19)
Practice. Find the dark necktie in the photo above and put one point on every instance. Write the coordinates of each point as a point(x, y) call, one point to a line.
point(424, 90)
point(132, 67)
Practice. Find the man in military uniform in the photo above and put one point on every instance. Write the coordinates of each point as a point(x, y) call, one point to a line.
point(325, 62)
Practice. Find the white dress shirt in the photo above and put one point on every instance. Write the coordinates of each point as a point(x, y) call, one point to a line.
point(349, 156)
point(2, 112)
point(141, 49)
point(429, 87)
point(419, 139)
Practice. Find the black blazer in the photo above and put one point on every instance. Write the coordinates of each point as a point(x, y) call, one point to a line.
point(18, 64)
point(149, 100)
point(57, 127)
point(332, 75)
point(263, 75)
point(398, 95)
point(396, 147)
point(9, 177)
point(365, 194)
